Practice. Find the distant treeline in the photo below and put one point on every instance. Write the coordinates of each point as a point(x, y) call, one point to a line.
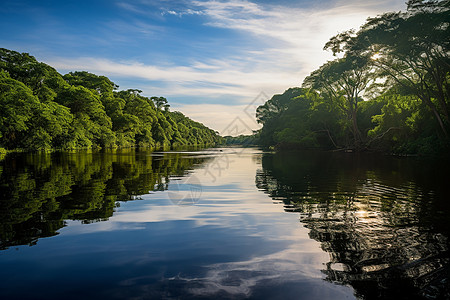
point(399, 62)
point(241, 140)
point(41, 109)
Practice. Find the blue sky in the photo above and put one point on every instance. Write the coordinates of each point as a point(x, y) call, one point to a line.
point(211, 59)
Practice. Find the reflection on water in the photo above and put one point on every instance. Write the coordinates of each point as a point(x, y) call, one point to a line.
point(383, 221)
point(40, 192)
point(193, 225)
point(230, 242)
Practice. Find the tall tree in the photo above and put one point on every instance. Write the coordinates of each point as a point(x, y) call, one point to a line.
point(343, 81)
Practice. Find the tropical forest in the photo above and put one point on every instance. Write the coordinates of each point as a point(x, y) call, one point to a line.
point(44, 110)
point(388, 90)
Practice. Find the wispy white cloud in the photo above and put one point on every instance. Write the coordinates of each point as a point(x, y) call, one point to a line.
point(182, 13)
point(129, 7)
point(213, 78)
point(297, 35)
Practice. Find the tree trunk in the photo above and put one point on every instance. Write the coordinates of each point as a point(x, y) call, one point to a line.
point(441, 124)
point(356, 133)
point(436, 114)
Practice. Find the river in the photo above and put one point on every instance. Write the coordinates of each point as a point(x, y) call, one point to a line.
point(223, 223)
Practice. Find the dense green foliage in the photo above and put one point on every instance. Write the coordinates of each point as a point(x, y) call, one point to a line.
point(41, 110)
point(389, 90)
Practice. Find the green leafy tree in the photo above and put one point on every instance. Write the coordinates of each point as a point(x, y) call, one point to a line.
point(343, 81)
point(409, 49)
point(160, 103)
point(43, 80)
point(91, 121)
point(18, 106)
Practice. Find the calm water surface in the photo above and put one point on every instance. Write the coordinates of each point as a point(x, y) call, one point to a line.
point(226, 223)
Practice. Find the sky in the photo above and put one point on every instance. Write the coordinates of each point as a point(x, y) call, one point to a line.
point(214, 60)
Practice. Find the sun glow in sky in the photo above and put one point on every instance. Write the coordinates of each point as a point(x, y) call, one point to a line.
point(210, 59)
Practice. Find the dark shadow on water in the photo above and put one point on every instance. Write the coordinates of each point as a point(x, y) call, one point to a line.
point(384, 221)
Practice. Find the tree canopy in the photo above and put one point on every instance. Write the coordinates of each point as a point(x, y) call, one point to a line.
point(388, 89)
point(41, 109)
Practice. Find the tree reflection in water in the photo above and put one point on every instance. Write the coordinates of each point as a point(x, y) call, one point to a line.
point(383, 221)
point(39, 192)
